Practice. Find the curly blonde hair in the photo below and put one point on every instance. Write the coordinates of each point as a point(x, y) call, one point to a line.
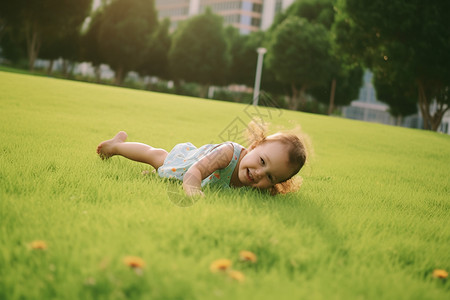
point(297, 153)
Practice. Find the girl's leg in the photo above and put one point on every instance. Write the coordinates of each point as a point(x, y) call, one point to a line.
point(134, 151)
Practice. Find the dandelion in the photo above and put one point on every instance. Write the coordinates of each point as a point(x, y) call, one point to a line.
point(38, 245)
point(247, 256)
point(440, 274)
point(236, 275)
point(220, 265)
point(134, 262)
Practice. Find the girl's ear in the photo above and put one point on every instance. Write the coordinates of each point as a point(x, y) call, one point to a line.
point(289, 186)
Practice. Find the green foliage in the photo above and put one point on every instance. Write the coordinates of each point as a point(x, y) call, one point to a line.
point(244, 56)
point(199, 50)
point(90, 43)
point(371, 220)
point(330, 65)
point(66, 41)
point(298, 55)
point(399, 93)
point(298, 52)
point(46, 22)
point(347, 74)
point(124, 32)
point(348, 82)
point(67, 47)
point(315, 11)
point(13, 45)
point(243, 61)
point(156, 60)
point(239, 97)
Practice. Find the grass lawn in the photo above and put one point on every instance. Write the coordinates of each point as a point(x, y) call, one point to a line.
point(372, 220)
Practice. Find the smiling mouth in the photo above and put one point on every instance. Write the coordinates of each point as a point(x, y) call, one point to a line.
point(249, 175)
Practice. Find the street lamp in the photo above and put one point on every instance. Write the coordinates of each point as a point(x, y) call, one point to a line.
point(261, 52)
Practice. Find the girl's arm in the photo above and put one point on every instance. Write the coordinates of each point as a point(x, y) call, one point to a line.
point(218, 159)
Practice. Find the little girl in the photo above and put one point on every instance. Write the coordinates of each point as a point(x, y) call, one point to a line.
point(268, 164)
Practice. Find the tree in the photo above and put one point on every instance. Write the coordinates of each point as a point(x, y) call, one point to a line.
point(269, 83)
point(409, 38)
point(65, 45)
point(345, 76)
point(298, 56)
point(90, 44)
point(240, 66)
point(12, 45)
point(315, 11)
point(125, 28)
point(39, 21)
point(397, 92)
point(156, 60)
point(347, 82)
point(199, 51)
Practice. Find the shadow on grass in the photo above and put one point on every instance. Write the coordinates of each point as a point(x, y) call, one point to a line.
point(298, 211)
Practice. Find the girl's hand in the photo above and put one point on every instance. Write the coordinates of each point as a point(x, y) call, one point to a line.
point(193, 191)
point(198, 193)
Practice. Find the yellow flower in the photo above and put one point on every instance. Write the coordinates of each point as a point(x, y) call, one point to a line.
point(38, 245)
point(440, 273)
point(220, 265)
point(134, 261)
point(236, 275)
point(248, 256)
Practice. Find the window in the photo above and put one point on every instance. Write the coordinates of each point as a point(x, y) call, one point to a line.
point(232, 19)
point(165, 2)
point(256, 22)
point(444, 127)
point(278, 6)
point(257, 7)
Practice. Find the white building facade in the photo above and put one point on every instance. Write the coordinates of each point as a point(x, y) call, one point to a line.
point(246, 15)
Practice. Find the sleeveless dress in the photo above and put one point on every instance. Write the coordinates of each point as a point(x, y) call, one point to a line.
point(184, 155)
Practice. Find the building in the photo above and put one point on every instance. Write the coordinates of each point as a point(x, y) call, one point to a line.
point(367, 107)
point(270, 9)
point(246, 15)
point(176, 10)
point(445, 123)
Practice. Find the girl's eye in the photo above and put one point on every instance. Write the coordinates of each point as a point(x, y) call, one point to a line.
point(262, 161)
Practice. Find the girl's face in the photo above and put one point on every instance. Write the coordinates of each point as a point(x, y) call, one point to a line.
point(265, 165)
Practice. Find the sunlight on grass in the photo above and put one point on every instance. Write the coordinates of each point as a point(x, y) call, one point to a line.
point(371, 220)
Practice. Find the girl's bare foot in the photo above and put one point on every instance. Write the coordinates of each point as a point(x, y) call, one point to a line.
point(106, 149)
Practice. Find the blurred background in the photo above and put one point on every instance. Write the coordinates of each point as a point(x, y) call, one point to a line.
point(379, 61)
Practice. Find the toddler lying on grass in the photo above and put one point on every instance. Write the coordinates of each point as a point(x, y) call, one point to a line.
point(269, 163)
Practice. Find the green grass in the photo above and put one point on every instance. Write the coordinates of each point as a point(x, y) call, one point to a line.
point(371, 221)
